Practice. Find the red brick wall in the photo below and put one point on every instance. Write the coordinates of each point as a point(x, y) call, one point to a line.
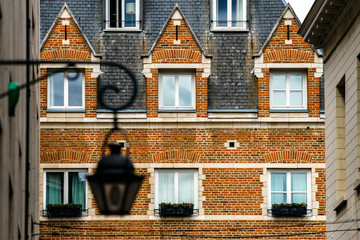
point(185, 52)
point(76, 50)
point(54, 49)
point(297, 52)
point(179, 229)
point(255, 145)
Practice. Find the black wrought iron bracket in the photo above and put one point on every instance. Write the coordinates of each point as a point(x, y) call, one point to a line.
point(101, 92)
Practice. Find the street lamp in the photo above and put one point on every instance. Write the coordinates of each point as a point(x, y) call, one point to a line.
point(114, 184)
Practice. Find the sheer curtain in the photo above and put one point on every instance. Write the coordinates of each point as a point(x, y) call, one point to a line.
point(278, 188)
point(186, 187)
point(298, 188)
point(77, 182)
point(54, 187)
point(166, 187)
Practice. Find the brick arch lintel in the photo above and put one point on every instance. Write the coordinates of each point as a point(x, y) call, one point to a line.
point(63, 156)
point(288, 155)
point(176, 154)
point(293, 54)
point(66, 54)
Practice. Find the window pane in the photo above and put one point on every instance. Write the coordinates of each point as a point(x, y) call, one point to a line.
point(299, 198)
point(186, 187)
point(278, 182)
point(296, 98)
point(296, 81)
point(130, 13)
point(56, 89)
point(221, 7)
point(185, 90)
point(278, 81)
point(54, 187)
point(113, 13)
point(166, 187)
point(75, 89)
point(278, 198)
point(168, 90)
point(77, 184)
point(237, 13)
point(279, 98)
point(298, 182)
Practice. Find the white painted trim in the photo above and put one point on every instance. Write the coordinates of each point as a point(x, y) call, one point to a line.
point(229, 16)
point(287, 90)
point(177, 91)
point(176, 65)
point(176, 184)
point(66, 90)
point(122, 15)
point(288, 65)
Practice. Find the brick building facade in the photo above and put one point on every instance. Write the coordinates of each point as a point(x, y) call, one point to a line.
point(228, 115)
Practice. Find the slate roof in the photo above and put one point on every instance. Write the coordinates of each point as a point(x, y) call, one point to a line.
point(231, 86)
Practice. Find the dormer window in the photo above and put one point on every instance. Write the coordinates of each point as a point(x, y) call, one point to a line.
point(229, 15)
point(122, 14)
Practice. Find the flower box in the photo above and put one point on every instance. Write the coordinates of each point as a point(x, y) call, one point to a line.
point(64, 210)
point(289, 210)
point(176, 210)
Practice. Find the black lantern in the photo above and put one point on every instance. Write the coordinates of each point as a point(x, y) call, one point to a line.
point(114, 184)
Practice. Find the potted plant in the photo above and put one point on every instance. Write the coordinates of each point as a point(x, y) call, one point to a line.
point(176, 209)
point(289, 209)
point(64, 210)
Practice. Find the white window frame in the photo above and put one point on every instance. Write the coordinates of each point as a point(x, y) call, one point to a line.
point(177, 107)
point(229, 16)
point(66, 181)
point(287, 91)
point(66, 89)
point(176, 171)
point(122, 14)
point(288, 185)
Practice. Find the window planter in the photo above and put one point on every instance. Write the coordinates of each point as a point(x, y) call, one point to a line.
point(64, 210)
point(176, 210)
point(289, 210)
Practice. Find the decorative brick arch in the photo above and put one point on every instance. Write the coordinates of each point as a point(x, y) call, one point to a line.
point(288, 54)
point(65, 156)
point(65, 54)
point(288, 155)
point(176, 155)
point(177, 55)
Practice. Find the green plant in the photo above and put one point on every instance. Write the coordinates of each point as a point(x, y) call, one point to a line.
point(275, 205)
point(64, 205)
point(176, 205)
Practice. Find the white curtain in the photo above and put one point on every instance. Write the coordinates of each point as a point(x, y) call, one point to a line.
point(186, 187)
point(166, 187)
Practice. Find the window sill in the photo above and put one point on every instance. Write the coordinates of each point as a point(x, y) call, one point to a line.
point(284, 110)
point(115, 30)
point(176, 110)
point(229, 29)
point(65, 110)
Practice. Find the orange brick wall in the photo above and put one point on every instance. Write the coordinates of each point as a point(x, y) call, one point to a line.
point(76, 50)
point(54, 49)
point(179, 229)
point(185, 52)
point(297, 52)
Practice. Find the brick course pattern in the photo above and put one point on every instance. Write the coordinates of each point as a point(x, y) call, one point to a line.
point(178, 229)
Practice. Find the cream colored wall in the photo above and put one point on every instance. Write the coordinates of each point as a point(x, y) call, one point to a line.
point(12, 129)
point(343, 63)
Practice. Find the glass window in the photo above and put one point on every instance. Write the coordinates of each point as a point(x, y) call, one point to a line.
point(63, 187)
point(289, 187)
point(176, 186)
point(229, 14)
point(66, 90)
point(177, 91)
point(288, 90)
point(122, 14)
